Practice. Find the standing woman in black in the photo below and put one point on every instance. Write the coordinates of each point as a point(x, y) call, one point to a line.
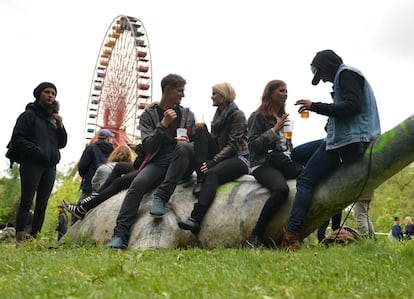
point(37, 137)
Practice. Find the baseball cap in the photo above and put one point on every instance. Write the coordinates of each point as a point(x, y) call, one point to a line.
point(105, 133)
point(316, 77)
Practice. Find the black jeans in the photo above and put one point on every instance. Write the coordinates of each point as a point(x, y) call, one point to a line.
point(120, 169)
point(274, 180)
point(205, 148)
point(336, 223)
point(118, 184)
point(166, 173)
point(225, 171)
point(34, 179)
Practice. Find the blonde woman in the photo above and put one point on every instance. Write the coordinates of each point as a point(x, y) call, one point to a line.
point(221, 156)
point(121, 154)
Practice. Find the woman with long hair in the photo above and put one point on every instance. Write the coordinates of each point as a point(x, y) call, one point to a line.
point(270, 160)
point(121, 154)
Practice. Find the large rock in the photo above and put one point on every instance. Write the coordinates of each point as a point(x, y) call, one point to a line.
point(228, 222)
point(238, 204)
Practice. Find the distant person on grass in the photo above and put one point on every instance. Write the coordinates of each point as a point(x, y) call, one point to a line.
point(93, 156)
point(37, 137)
point(396, 233)
point(409, 228)
point(120, 154)
point(363, 220)
point(62, 226)
point(171, 157)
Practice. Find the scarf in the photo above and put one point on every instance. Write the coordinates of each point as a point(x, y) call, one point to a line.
point(220, 119)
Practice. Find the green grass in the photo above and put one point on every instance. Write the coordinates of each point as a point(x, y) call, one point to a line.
point(367, 269)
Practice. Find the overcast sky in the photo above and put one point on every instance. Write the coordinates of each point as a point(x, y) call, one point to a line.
point(246, 43)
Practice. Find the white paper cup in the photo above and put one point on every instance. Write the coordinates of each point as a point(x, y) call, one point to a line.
point(181, 132)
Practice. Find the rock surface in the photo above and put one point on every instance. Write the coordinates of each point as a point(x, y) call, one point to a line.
point(237, 206)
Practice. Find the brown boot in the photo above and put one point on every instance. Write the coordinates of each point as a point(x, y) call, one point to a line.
point(290, 241)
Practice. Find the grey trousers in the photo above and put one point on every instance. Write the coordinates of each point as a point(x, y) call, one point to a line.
point(361, 208)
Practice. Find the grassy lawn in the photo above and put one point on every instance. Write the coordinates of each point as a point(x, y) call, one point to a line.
point(367, 269)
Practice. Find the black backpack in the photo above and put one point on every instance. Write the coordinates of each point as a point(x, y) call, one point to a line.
point(12, 153)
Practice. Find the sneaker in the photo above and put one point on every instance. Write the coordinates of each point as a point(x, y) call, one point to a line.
point(190, 224)
point(254, 241)
point(88, 198)
point(74, 209)
point(116, 243)
point(157, 207)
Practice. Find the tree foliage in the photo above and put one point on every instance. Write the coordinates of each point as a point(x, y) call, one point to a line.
point(9, 194)
point(393, 198)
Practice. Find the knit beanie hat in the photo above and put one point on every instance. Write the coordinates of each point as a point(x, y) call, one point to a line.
point(42, 86)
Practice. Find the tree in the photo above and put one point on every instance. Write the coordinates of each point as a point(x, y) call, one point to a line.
point(9, 194)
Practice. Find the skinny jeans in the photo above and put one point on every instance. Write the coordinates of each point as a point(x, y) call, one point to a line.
point(120, 169)
point(39, 180)
point(120, 183)
point(320, 164)
point(272, 179)
point(225, 171)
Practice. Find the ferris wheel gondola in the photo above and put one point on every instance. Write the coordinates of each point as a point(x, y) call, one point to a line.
point(121, 84)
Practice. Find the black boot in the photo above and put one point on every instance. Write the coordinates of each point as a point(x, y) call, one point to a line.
point(254, 241)
point(190, 224)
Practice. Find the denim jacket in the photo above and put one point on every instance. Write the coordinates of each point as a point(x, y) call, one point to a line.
point(363, 127)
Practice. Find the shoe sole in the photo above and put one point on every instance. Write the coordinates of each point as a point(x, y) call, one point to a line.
point(157, 215)
point(187, 227)
point(252, 245)
point(117, 248)
point(65, 205)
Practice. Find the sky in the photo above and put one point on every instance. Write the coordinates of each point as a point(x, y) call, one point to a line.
point(246, 43)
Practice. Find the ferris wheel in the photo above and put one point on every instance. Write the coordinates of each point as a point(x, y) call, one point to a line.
point(121, 85)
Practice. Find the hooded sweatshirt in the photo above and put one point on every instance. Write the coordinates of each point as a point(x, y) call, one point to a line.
point(35, 138)
point(92, 157)
point(353, 116)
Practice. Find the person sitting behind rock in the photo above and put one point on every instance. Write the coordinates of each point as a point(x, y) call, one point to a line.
point(121, 154)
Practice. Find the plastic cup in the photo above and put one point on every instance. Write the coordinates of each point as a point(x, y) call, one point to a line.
point(304, 114)
point(181, 132)
point(287, 130)
point(199, 120)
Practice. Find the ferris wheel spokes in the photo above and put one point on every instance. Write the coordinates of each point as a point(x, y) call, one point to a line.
point(122, 83)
